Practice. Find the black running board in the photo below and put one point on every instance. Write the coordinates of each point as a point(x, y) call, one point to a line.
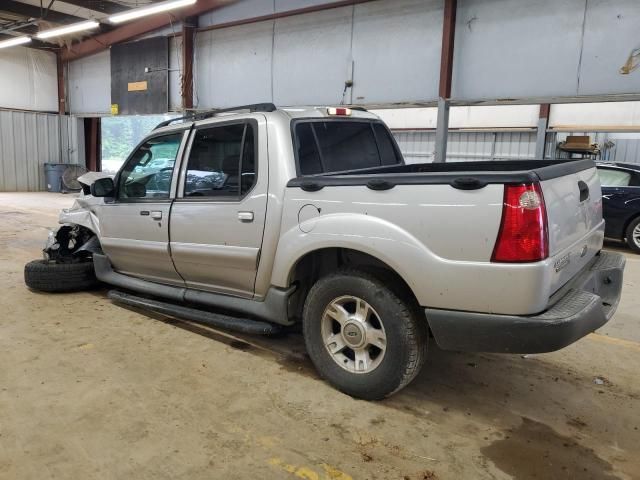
point(226, 322)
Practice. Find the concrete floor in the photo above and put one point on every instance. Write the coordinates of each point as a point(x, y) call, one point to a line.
point(92, 390)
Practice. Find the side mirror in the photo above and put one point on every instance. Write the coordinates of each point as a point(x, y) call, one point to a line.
point(103, 187)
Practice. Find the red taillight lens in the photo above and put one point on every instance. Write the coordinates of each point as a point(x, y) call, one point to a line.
point(340, 111)
point(523, 235)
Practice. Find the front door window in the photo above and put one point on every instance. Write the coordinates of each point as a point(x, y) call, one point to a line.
point(147, 174)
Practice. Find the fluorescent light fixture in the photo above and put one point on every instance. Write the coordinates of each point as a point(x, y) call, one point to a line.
point(151, 10)
point(76, 27)
point(12, 42)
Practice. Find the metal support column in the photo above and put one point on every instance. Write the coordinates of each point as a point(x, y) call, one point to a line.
point(446, 71)
point(543, 124)
point(442, 131)
point(188, 33)
point(62, 105)
point(93, 143)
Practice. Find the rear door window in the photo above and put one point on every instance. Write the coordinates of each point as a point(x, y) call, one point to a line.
point(333, 146)
point(221, 162)
point(614, 178)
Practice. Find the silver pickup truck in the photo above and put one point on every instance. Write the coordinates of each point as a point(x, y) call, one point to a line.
point(260, 218)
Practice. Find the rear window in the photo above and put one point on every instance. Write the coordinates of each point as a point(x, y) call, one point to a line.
point(333, 146)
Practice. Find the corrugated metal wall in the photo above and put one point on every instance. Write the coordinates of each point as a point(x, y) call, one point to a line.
point(614, 147)
point(29, 140)
point(625, 150)
point(418, 146)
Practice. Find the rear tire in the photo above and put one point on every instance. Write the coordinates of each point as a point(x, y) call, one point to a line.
point(46, 276)
point(633, 235)
point(379, 343)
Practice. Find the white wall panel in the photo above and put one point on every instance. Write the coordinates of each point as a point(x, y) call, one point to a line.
point(396, 49)
point(613, 114)
point(90, 84)
point(611, 32)
point(233, 66)
point(312, 57)
point(544, 48)
point(507, 49)
point(28, 79)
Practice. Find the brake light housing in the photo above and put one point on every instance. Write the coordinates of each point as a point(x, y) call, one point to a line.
point(339, 111)
point(524, 231)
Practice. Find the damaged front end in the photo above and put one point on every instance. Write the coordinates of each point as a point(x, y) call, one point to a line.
point(71, 244)
point(78, 237)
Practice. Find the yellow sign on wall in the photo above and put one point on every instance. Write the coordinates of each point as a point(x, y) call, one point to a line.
point(114, 109)
point(137, 86)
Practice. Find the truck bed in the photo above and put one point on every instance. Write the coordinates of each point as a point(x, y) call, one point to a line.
point(462, 175)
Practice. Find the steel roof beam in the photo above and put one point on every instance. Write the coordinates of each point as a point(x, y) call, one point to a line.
point(131, 30)
point(30, 11)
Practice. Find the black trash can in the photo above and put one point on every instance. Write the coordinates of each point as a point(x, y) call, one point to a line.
point(53, 176)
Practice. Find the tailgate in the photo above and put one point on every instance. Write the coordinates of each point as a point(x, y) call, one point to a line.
point(574, 212)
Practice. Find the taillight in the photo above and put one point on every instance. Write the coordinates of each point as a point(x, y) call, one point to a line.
point(523, 235)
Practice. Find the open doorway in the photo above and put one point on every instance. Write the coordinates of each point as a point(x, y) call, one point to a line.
point(119, 135)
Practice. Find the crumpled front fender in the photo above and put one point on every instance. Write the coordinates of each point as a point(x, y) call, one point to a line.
point(83, 212)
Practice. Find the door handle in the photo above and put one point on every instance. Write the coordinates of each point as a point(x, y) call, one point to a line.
point(584, 191)
point(156, 215)
point(245, 216)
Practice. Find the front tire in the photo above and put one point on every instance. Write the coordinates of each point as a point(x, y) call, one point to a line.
point(361, 336)
point(48, 276)
point(633, 235)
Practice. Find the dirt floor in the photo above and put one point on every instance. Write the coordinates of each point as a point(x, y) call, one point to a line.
point(92, 390)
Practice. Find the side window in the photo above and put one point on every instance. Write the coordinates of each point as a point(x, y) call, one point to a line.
point(148, 172)
point(388, 155)
point(614, 178)
point(307, 148)
point(221, 162)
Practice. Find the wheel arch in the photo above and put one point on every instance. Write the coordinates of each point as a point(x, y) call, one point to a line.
point(628, 222)
point(318, 262)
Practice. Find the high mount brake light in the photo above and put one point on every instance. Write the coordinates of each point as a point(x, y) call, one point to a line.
point(523, 234)
point(339, 111)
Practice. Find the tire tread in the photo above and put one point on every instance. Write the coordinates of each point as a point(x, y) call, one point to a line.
point(45, 276)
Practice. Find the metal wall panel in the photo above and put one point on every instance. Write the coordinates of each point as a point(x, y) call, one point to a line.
point(27, 141)
point(396, 51)
point(90, 84)
point(306, 59)
point(507, 49)
point(311, 57)
point(544, 48)
point(233, 66)
point(129, 62)
point(418, 146)
point(610, 34)
point(626, 150)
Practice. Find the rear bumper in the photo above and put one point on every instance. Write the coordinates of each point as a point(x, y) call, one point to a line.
point(579, 308)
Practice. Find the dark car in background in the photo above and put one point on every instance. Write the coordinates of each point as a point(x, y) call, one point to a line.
point(621, 201)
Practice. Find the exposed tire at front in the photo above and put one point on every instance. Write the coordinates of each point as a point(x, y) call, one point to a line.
point(363, 338)
point(48, 276)
point(633, 235)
